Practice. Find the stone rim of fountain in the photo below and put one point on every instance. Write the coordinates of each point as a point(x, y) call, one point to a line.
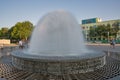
point(57, 65)
point(21, 54)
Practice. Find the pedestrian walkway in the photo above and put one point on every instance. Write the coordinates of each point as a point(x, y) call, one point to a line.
point(110, 71)
point(115, 78)
point(103, 47)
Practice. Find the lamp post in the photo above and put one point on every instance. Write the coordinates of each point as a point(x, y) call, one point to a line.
point(86, 35)
point(108, 36)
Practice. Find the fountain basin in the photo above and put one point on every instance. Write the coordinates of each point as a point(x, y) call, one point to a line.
point(57, 65)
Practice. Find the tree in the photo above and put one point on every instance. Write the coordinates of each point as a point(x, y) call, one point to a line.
point(4, 32)
point(92, 32)
point(103, 30)
point(21, 30)
point(100, 30)
point(115, 29)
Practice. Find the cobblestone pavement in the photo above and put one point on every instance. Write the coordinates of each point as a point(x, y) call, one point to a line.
point(101, 48)
point(7, 73)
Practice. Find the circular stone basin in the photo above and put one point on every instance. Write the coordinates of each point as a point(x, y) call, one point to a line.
point(57, 65)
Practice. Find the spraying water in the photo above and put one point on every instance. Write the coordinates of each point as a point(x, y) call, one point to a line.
point(57, 34)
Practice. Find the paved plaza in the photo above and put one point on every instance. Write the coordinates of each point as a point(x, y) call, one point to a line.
point(111, 71)
point(103, 47)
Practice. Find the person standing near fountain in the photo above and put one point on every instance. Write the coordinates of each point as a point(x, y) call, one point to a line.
point(20, 44)
point(112, 43)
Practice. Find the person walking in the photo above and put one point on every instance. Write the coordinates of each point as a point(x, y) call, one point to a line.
point(112, 43)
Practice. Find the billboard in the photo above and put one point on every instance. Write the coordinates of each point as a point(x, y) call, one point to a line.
point(92, 20)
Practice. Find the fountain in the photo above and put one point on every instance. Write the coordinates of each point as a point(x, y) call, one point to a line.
point(57, 47)
point(57, 34)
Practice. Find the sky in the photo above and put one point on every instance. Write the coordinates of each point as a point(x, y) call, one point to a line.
point(13, 11)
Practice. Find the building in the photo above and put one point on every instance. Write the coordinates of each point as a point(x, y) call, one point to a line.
point(94, 23)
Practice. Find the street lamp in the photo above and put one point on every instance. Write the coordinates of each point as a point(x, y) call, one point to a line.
point(108, 36)
point(86, 35)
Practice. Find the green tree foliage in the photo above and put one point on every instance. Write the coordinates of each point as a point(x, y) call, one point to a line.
point(115, 29)
point(4, 33)
point(102, 30)
point(21, 30)
point(92, 32)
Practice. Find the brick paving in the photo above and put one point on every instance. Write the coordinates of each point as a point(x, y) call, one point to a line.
point(111, 71)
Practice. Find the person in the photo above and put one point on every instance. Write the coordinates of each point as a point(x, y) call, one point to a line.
point(2, 46)
point(112, 43)
point(20, 44)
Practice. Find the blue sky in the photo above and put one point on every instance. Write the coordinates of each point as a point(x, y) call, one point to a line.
point(13, 11)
